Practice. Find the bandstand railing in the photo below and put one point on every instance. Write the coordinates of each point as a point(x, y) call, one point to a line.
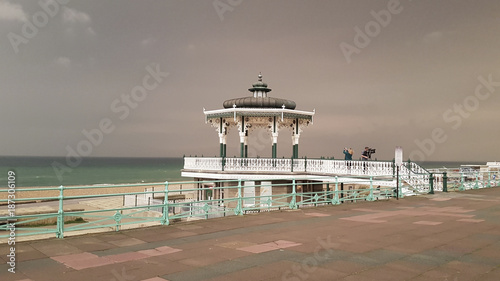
point(313, 166)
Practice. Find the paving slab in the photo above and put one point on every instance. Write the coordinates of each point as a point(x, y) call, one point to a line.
point(445, 236)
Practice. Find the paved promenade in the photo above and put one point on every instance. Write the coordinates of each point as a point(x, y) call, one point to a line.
point(445, 237)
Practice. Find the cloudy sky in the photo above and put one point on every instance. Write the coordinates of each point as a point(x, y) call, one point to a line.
point(131, 78)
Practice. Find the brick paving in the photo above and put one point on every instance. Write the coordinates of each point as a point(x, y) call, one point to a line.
point(446, 236)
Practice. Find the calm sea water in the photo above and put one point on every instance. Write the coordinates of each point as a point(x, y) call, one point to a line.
point(39, 171)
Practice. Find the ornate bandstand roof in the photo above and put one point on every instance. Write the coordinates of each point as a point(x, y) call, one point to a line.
point(259, 99)
point(259, 104)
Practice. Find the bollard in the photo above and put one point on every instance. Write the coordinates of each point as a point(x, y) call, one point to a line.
point(445, 182)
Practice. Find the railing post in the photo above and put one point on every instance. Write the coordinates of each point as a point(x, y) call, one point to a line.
point(239, 207)
point(431, 184)
point(397, 182)
point(462, 182)
point(476, 186)
point(399, 191)
point(117, 217)
point(223, 162)
point(489, 179)
point(165, 220)
point(370, 196)
point(305, 164)
point(293, 202)
point(445, 182)
point(60, 214)
point(291, 166)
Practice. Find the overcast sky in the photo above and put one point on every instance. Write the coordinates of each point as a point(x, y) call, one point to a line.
point(424, 75)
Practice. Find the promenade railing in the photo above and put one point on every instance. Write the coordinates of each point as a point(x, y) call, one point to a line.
point(117, 207)
point(454, 179)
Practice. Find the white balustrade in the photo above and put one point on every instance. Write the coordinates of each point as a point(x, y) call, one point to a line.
point(416, 177)
point(203, 163)
point(314, 166)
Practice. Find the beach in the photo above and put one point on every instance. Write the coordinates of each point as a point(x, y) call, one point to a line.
point(51, 193)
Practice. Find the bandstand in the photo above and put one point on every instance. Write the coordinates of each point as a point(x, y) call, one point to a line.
point(265, 177)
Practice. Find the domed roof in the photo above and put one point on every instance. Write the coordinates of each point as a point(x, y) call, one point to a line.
point(259, 102)
point(259, 99)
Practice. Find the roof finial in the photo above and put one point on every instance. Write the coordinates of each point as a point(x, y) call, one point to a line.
point(260, 76)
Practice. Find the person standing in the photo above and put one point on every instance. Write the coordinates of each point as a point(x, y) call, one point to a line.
point(364, 157)
point(347, 153)
point(348, 157)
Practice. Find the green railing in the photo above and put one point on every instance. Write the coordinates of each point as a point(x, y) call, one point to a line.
point(84, 209)
point(468, 180)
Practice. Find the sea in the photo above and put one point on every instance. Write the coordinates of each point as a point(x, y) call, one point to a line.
point(56, 171)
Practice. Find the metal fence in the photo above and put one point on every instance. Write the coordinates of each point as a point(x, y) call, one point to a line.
point(139, 205)
point(460, 181)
